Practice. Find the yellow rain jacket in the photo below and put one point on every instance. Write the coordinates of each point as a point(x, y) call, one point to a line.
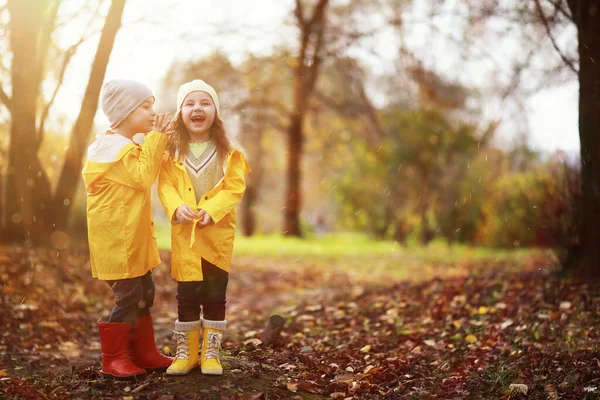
point(214, 243)
point(118, 175)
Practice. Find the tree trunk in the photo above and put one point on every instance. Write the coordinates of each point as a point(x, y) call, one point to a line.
point(71, 171)
point(294, 201)
point(27, 206)
point(585, 260)
point(306, 72)
point(249, 217)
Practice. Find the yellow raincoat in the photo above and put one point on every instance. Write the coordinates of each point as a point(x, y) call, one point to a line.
point(214, 243)
point(118, 176)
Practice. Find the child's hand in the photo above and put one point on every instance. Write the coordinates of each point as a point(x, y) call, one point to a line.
point(205, 219)
point(163, 123)
point(185, 214)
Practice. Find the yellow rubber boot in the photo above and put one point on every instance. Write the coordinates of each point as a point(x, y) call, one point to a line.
point(188, 340)
point(212, 335)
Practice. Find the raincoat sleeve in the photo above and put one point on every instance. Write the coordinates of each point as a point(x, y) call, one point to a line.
point(167, 191)
point(139, 168)
point(232, 191)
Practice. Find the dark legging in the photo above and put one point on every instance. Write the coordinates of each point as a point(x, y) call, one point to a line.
point(134, 297)
point(209, 293)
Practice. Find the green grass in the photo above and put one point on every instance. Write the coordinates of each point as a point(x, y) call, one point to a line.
point(365, 258)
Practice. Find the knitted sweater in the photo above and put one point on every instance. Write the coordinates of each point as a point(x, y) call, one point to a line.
point(204, 171)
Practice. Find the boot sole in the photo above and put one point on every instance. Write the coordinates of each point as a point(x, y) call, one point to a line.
point(158, 369)
point(122, 378)
point(180, 372)
point(212, 372)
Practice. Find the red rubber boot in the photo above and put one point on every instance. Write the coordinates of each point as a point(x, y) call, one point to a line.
point(144, 353)
point(115, 339)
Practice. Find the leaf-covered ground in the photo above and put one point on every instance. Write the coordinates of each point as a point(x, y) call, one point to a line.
point(483, 329)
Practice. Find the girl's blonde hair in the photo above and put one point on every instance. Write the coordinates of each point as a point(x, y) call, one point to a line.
point(179, 141)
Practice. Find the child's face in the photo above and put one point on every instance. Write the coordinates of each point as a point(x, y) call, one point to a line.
point(198, 113)
point(141, 119)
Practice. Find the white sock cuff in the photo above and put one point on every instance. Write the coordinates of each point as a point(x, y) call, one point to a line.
point(187, 326)
point(219, 325)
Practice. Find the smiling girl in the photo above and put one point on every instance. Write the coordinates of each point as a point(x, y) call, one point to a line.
point(199, 186)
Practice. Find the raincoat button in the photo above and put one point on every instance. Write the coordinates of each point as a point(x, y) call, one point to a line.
point(180, 163)
point(190, 189)
point(205, 197)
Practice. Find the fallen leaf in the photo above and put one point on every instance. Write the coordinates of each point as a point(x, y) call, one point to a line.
point(292, 387)
point(3, 373)
point(430, 342)
point(366, 348)
point(470, 338)
point(352, 389)
point(140, 388)
point(517, 388)
point(69, 349)
point(345, 377)
point(309, 386)
point(506, 324)
point(565, 305)
point(552, 395)
point(254, 341)
point(250, 334)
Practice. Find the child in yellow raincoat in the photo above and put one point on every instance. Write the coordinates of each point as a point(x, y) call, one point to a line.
point(118, 175)
point(199, 185)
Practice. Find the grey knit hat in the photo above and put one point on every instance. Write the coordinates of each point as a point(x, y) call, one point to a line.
point(120, 97)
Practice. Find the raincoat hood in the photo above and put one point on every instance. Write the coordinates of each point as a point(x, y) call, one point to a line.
point(103, 154)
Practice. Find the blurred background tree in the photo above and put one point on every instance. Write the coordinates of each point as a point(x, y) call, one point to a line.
point(34, 208)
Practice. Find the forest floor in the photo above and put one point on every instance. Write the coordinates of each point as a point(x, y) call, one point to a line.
point(415, 323)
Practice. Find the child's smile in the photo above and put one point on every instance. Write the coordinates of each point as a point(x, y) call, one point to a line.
point(198, 113)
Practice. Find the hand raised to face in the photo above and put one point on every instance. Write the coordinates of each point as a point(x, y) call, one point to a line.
point(163, 123)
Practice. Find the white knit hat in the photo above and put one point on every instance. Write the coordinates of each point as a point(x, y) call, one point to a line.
point(197, 85)
point(120, 97)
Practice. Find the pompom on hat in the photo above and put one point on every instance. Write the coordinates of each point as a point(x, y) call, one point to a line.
point(197, 85)
point(120, 97)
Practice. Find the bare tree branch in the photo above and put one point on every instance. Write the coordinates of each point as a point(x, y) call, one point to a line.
point(68, 56)
point(318, 12)
point(549, 32)
point(299, 12)
point(5, 99)
point(558, 7)
point(46, 38)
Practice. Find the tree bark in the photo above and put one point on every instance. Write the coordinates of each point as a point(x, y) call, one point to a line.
point(306, 72)
point(29, 188)
point(293, 204)
point(585, 259)
point(70, 174)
